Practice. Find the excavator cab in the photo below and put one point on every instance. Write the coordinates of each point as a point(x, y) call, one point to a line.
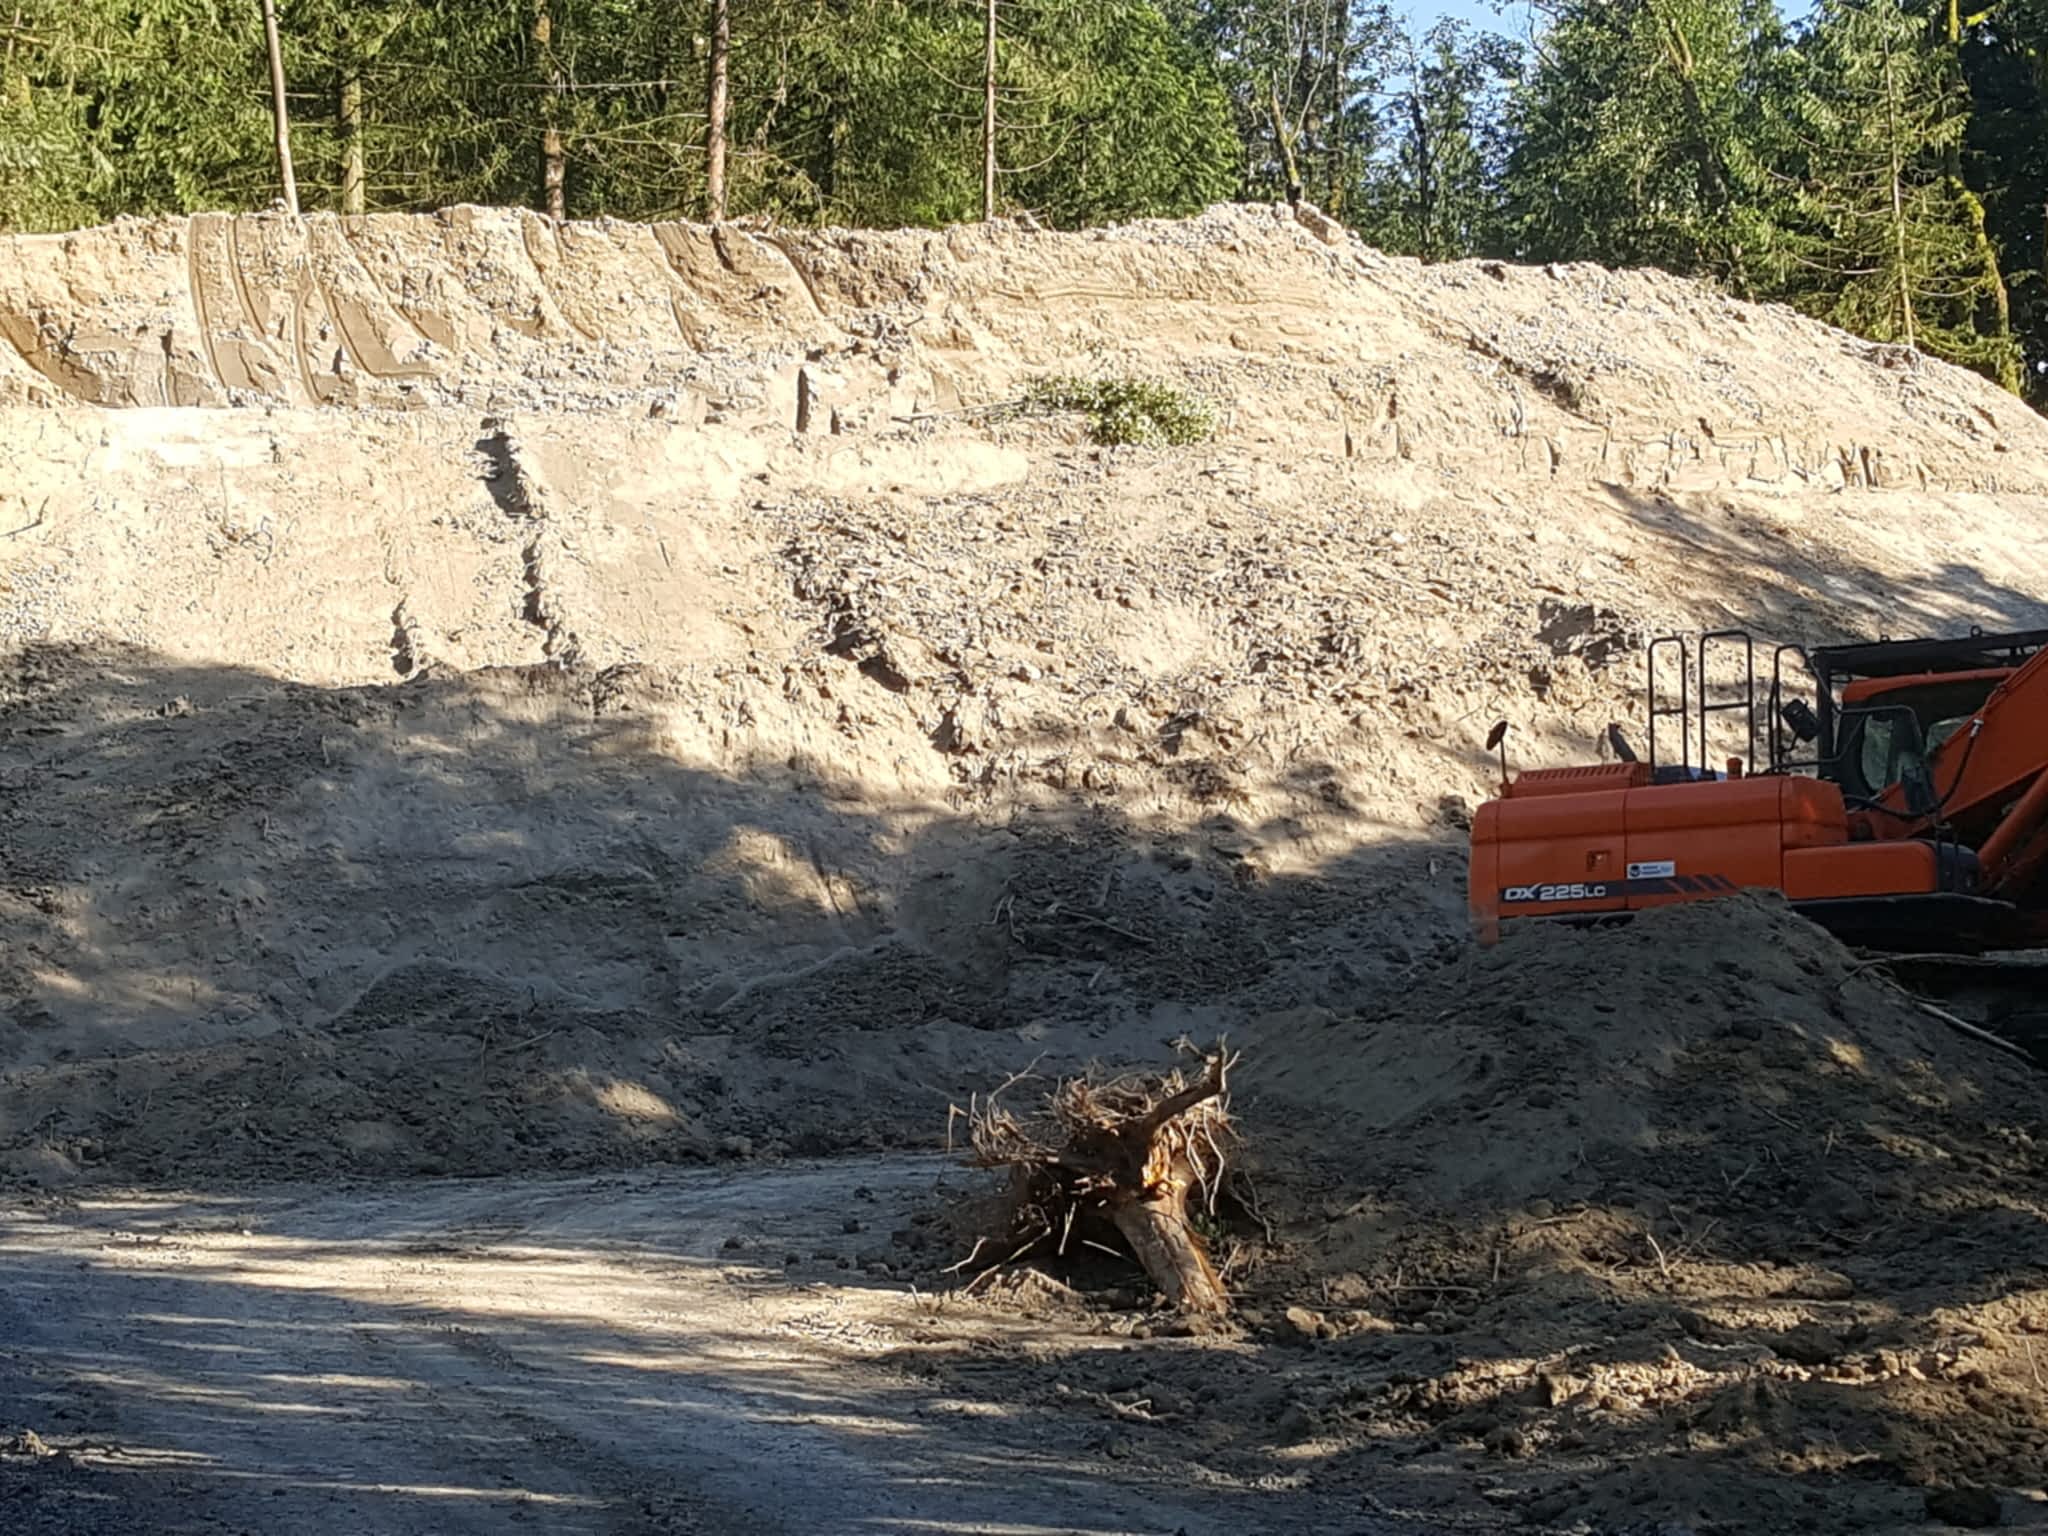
point(1941, 684)
point(1907, 802)
point(1936, 706)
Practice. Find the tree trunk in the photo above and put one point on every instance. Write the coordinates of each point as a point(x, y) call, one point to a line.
point(838, 135)
point(280, 119)
point(1710, 176)
point(1987, 253)
point(1138, 1151)
point(716, 107)
point(553, 170)
point(350, 112)
point(1156, 1227)
point(1425, 176)
point(1891, 107)
point(1286, 142)
point(1333, 192)
point(1994, 283)
point(988, 112)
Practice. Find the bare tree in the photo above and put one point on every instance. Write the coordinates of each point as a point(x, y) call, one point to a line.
point(279, 117)
point(553, 169)
point(714, 117)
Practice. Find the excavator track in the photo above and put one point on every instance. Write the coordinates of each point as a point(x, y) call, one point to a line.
point(2005, 993)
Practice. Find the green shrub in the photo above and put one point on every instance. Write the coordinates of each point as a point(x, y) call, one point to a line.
point(1126, 410)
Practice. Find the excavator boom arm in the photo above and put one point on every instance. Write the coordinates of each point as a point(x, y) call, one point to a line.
point(1991, 776)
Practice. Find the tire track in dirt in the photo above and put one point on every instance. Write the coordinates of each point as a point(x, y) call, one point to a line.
point(621, 1355)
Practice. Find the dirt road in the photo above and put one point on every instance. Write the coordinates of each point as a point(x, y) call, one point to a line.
point(586, 1355)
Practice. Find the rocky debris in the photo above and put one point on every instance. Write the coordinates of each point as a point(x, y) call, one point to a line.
point(28, 1444)
point(1307, 1326)
point(1303, 614)
point(1637, 376)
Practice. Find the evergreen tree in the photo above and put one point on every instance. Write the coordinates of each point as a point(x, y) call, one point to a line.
point(1117, 117)
point(132, 106)
point(1891, 242)
point(1887, 168)
point(858, 110)
point(1440, 197)
point(1305, 78)
point(870, 112)
point(1639, 137)
point(2004, 52)
point(390, 97)
point(46, 167)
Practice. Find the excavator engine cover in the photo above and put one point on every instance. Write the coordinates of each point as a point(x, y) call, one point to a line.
point(1553, 849)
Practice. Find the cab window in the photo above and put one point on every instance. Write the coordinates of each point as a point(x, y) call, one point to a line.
point(1878, 760)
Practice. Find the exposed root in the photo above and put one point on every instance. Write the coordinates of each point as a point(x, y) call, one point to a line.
point(1134, 1156)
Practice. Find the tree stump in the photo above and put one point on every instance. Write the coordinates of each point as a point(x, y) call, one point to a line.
point(1138, 1155)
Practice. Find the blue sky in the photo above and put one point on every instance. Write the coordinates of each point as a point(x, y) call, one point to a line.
point(1511, 20)
point(1515, 18)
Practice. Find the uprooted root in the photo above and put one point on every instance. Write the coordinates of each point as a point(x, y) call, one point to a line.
point(1136, 1154)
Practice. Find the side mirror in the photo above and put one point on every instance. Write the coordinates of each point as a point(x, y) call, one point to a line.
point(1496, 742)
point(1918, 781)
point(1799, 716)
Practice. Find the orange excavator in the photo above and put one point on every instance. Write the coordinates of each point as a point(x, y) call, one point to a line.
point(1905, 808)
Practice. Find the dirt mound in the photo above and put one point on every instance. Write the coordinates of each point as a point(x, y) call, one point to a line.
point(1681, 1221)
point(494, 922)
point(1691, 1226)
point(1646, 1055)
point(438, 1072)
point(454, 596)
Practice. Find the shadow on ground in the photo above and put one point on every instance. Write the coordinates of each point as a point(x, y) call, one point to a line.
point(497, 923)
point(628, 1356)
point(501, 924)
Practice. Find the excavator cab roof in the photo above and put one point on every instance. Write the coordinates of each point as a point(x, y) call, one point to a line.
point(1973, 652)
point(1863, 689)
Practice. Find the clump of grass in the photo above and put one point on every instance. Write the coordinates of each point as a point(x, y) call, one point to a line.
point(1126, 410)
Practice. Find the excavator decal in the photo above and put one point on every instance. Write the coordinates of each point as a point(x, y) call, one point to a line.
point(1663, 885)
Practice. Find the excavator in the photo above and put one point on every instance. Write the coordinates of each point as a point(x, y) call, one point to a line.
point(1905, 807)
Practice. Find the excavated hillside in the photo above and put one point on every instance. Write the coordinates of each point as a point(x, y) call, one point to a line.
point(613, 659)
point(484, 697)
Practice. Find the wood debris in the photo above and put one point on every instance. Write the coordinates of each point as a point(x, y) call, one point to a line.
point(1134, 1156)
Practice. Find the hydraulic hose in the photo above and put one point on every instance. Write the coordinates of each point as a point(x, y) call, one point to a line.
point(1940, 810)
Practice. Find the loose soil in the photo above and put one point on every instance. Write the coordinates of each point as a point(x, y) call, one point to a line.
point(453, 726)
point(1695, 1222)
